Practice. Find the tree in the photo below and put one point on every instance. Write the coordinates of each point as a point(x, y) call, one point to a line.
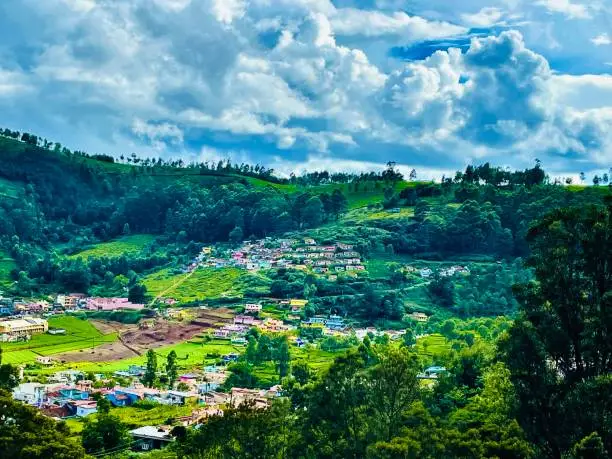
point(27, 434)
point(282, 357)
point(312, 213)
point(137, 294)
point(104, 434)
point(171, 369)
point(236, 235)
point(393, 388)
point(339, 203)
point(150, 374)
point(559, 350)
point(413, 175)
point(9, 377)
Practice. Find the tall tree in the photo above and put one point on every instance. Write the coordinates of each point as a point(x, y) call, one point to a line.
point(171, 369)
point(150, 375)
point(559, 350)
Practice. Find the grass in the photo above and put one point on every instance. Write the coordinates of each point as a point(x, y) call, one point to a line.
point(122, 246)
point(7, 264)
point(80, 334)
point(201, 285)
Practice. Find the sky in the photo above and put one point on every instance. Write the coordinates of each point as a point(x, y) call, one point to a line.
point(342, 85)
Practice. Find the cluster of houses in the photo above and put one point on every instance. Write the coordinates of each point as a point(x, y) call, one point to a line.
point(64, 302)
point(269, 253)
point(426, 273)
point(67, 395)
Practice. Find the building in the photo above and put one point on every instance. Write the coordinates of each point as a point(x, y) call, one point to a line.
point(112, 304)
point(418, 317)
point(31, 393)
point(44, 360)
point(22, 327)
point(297, 305)
point(252, 308)
point(148, 438)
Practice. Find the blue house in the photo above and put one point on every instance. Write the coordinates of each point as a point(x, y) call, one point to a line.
point(122, 398)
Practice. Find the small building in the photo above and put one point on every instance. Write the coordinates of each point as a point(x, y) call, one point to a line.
point(83, 408)
point(418, 317)
point(252, 308)
point(148, 438)
point(297, 304)
point(43, 360)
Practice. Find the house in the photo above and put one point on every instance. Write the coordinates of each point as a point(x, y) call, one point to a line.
point(316, 320)
point(426, 273)
point(239, 340)
point(31, 393)
point(252, 308)
point(56, 412)
point(432, 372)
point(221, 334)
point(418, 317)
point(297, 305)
point(44, 360)
point(178, 397)
point(245, 320)
point(309, 241)
point(148, 438)
point(230, 357)
point(395, 210)
point(56, 331)
point(112, 304)
point(83, 408)
point(335, 322)
point(120, 398)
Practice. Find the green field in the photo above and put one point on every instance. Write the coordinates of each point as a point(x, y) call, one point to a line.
point(122, 246)
point(80, 334)
point(433, 346)
point(201, 285)
point(7, 264)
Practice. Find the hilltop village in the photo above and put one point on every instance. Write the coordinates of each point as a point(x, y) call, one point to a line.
point(270, 253)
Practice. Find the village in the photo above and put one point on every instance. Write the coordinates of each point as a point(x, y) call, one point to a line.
point(73, 394)
point(269, 253)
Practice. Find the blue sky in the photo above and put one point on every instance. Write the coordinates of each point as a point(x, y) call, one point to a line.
point(311, 84)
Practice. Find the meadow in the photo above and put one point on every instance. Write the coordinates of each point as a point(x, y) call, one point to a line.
point(126, 245)
point(202, 284)
point(80, 334)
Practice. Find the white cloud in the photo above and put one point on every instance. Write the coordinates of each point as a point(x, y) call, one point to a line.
point(602, 40)
point(486, 17)
point(351, 22)
point(227, 11)
point(566, 7)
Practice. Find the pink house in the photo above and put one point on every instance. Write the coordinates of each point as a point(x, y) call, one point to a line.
point(112, 304)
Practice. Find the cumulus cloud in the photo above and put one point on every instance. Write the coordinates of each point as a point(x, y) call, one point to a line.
point(297, 83)
point(602, 40)
point(567, 7)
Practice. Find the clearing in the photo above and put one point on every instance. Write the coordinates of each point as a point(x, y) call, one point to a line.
point(201, 285)
point(122, 246)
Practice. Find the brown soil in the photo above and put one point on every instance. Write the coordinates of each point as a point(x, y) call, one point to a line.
point(135, 340)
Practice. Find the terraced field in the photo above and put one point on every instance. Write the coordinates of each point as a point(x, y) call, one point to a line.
point(122, 246)
point(80, 334)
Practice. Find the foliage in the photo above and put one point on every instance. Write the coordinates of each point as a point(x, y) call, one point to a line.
point(559, 350)
point(26, 434)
